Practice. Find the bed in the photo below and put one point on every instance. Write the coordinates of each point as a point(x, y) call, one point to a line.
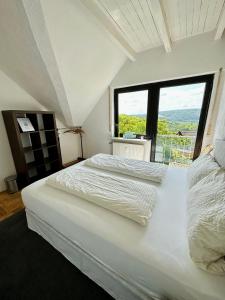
point(127, 260)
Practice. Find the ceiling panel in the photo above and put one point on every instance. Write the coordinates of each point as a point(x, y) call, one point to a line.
point(114, 13)
point(203, 16)
point(139, 23)
point(196, 13)
point(213, 14)
point(149, 23)
point(187, 18)
point(134, 20)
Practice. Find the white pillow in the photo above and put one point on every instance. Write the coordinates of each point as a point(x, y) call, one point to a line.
point(200, 168)
point(206, 223)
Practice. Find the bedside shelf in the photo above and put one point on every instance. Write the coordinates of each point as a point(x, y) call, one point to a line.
point(36, 153)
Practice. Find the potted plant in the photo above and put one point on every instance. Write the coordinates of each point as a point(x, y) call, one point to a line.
point(77, 130)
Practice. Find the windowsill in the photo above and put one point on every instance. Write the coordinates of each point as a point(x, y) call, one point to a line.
point(129, 141)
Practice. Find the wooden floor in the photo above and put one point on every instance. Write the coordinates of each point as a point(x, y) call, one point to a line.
point(9, 204)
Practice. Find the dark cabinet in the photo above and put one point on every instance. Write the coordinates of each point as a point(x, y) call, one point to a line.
point(36, 153)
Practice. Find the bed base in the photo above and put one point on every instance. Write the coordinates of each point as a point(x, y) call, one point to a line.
point(101, 274)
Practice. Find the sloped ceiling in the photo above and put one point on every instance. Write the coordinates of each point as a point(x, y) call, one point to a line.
point(58, 53)
point(87, 59)
point(20, 58)
point(147, 24)
point(65, 53)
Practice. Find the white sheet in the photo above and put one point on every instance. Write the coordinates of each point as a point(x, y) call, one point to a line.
point(129, 198)
point(154, 257)
point(131, 167)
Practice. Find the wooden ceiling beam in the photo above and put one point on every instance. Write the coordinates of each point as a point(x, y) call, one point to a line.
point(161, 23)
point(108, 25)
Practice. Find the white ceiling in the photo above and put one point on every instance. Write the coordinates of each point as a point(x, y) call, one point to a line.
point(187, 18)
point(134, 20)
point(145, 24)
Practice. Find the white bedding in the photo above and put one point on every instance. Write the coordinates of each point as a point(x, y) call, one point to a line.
point(129, 198)
point(206, 223)
point(135, 168)
point(154, 258)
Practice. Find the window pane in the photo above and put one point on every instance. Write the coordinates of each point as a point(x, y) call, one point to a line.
point(132, 108)
point(178, 119)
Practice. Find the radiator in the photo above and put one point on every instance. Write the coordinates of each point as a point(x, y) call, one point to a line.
point(134, 149)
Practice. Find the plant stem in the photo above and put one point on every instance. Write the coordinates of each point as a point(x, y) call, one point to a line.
point(81, 146)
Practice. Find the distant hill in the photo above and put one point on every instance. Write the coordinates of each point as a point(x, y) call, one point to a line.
point(181, 115)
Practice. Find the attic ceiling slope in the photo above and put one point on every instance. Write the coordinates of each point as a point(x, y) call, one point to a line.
point(20, 57)
point(86, 56)
point(38, 26)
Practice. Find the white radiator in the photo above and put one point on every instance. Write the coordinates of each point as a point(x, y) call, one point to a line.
point(132, 148)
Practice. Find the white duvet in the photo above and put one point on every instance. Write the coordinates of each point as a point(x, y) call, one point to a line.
point(132, 199)
point(136, 168)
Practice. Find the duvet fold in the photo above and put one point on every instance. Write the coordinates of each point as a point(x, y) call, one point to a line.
point(131, 167)
point(129, 198)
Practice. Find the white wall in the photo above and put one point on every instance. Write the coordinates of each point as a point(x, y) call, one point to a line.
point(197, 55)
point(194, 56)
point(13, 97)
point(97, 135)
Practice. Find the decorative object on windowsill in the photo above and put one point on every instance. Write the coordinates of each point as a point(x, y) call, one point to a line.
point(77, 130)
point(129, 135)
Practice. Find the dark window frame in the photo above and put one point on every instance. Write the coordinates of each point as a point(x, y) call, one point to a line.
point(116, 104)
point(153, 107)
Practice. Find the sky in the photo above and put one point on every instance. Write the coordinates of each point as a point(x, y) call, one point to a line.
point(171, 98)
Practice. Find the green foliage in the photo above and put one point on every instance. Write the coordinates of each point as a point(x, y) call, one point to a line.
point(183, 126)
point(173, 147)
point(132, 123)
point(164, 127)
point(138, 125)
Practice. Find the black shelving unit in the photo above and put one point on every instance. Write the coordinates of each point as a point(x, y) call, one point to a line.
point(36, 153)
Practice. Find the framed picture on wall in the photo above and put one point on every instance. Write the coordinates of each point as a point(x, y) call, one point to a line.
point(25, 124)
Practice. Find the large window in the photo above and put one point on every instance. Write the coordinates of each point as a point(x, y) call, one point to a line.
point(171, 113)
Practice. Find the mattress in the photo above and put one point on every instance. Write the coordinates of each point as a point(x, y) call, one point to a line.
point(153, 258)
